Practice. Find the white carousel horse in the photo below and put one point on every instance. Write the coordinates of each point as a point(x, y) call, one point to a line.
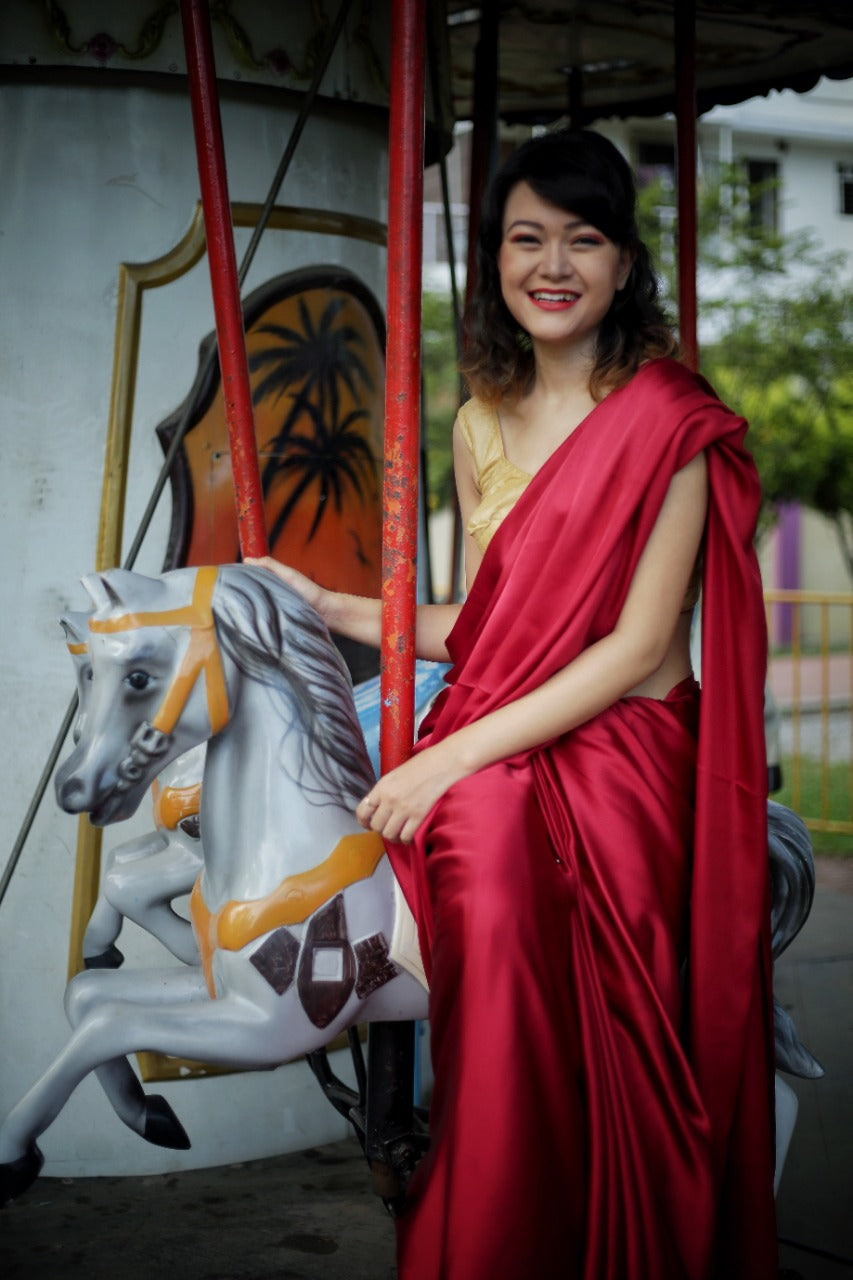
point(295, 946)
point(301, 926)
point(142, 877)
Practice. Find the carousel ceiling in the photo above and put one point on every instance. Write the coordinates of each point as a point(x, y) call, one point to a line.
point(626, 53)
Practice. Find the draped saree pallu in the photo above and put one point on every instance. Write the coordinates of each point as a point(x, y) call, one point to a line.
point(602, 1109)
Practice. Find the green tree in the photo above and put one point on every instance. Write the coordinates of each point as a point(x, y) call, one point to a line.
point(441, 395)
point(777, 319)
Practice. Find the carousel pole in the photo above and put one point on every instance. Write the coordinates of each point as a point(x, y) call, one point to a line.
point(402, 381)
point(389, 1141)
point(685, 168)
point(228, 311)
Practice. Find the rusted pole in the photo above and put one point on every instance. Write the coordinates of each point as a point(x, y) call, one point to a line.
point(230, 337)
point(402, 381)
point(685, 116)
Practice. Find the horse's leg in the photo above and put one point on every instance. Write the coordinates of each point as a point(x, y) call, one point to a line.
point(105, 922)
point(148, 1115)
point(169, 1019)
point(142, 890)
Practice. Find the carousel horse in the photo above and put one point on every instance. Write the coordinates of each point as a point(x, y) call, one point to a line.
point(142, 877)
point(301, 926)
point(792, 882)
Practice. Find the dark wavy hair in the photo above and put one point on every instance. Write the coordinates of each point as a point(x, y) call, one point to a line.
point(583, 173)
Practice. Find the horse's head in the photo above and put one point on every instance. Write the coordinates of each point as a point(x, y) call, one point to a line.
point(152, 686)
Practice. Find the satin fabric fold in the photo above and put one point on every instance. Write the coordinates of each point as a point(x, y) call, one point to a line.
point(555, 913)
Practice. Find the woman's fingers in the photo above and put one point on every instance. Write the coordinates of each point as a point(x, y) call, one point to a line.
point(306, 587)
point(393, 821)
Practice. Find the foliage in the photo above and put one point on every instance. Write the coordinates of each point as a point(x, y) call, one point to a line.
point(441, 395)
point(777, 326)
point(777, 315)
point(809, 800)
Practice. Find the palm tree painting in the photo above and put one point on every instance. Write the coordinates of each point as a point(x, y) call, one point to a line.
point(315, 341)
point(321, 451)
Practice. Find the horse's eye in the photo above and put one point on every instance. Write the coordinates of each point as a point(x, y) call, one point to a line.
point(137, 680)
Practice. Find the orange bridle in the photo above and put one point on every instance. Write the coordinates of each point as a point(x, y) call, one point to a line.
point(201, 658)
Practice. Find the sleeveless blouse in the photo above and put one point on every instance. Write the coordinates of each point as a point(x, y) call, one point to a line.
point(500, 483)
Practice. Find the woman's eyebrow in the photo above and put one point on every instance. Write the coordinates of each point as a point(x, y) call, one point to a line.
point(529, 222)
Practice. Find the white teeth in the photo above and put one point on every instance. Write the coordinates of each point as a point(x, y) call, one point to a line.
point(540, 296)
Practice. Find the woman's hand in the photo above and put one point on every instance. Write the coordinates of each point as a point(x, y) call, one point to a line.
point(398, 803)
point(310, 591)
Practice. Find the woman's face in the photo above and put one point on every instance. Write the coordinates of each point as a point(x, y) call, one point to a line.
point(558, 273)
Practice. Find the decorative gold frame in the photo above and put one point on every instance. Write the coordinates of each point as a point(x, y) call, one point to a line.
point(133, 280)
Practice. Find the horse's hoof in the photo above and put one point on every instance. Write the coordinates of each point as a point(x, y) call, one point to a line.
point(162, 1126)
point(17, 1175)
point(112, 958)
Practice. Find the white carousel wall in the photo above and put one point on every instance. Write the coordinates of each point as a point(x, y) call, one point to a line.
point(93, 175)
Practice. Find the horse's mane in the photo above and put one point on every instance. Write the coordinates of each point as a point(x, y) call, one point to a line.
point(275, 637)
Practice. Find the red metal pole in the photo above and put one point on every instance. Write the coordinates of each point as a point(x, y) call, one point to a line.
point(230, 337)
point(402, 381)
point(685, 115)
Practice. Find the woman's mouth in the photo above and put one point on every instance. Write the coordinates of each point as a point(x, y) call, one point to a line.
point(553, 299)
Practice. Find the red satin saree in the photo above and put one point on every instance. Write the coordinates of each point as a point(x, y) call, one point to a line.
point(596, 1113)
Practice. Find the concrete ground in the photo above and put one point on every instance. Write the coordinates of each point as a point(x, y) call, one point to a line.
point(313, 1215)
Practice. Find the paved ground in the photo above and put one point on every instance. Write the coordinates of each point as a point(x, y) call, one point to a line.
point(313, 1216)
point(814, 980)
point(299, 1217)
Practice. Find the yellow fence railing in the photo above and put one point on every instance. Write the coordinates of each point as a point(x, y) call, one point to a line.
point(811, 678)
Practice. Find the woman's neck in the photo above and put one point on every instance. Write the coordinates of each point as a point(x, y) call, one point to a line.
point(561, 373)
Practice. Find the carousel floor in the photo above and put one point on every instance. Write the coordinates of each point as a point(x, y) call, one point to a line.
point(314, 1215)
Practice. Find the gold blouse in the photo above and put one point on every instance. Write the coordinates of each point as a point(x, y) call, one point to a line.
point(501, 483)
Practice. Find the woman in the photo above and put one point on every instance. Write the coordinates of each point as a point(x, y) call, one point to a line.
point(586, 861)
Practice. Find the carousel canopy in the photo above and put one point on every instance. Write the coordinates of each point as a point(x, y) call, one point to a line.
point(625, 54)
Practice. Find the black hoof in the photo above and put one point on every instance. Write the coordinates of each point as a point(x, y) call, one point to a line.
point(17, 1175)
point(162, 1126)
point(112, 958)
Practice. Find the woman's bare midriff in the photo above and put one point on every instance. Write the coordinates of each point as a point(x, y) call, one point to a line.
point(675, 667)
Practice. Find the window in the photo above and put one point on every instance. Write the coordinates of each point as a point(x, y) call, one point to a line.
point(845, 188)
point(763, 195)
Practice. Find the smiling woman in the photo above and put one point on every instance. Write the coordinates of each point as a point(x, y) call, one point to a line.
point(569, 833)
point(557, 267)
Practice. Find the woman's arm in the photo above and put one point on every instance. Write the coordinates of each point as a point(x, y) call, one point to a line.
point(598, 677)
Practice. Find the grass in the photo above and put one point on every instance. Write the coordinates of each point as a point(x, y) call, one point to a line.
point(808, 805)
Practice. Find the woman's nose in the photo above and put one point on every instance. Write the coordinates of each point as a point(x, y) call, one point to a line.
point(556, 260)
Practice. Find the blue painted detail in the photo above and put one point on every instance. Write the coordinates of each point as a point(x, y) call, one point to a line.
point(429, 681)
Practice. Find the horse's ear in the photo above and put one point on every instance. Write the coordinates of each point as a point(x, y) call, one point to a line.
point(101, 592)
point(76, 627)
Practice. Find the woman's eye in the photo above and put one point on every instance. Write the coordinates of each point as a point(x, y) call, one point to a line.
point(137, 680)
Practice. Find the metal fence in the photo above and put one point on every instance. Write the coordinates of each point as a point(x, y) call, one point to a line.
point(811, 678)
